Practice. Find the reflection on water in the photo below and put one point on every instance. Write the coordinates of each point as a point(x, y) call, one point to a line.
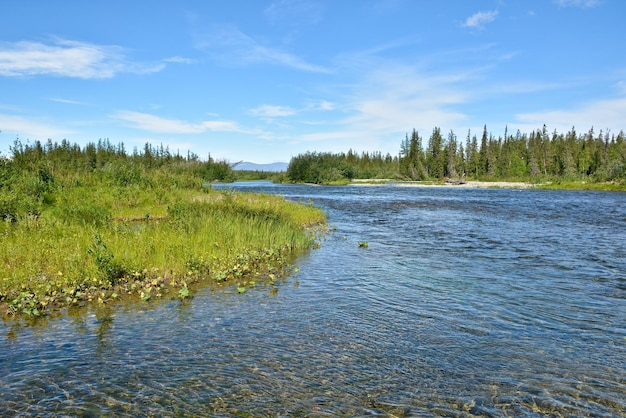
point(465, 303)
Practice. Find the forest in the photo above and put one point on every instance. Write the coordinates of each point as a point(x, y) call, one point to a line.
point(33, 171)
point(536, 157)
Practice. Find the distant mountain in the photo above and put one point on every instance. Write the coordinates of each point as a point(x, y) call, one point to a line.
point(247, 166)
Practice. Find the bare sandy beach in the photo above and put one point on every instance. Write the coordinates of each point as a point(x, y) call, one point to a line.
point(465, 185)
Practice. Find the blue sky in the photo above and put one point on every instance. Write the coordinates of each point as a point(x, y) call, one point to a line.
point(263, 81)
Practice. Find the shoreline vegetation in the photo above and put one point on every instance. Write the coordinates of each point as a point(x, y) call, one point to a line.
point(457, 184)
point(95, 225)
point(540, 159)
point(475, 184)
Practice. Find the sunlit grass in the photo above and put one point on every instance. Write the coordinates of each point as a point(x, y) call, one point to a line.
point(96, 244)
point(581, 185)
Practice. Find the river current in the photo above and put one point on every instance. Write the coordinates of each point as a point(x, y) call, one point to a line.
point(465, 302)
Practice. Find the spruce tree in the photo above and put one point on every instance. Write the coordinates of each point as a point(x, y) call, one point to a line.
point(482, 155)
point(451, 157)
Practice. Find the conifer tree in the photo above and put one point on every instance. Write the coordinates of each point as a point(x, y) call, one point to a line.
point(416, 157)
point(451, 156)
point(435, 163)
point(482, 159)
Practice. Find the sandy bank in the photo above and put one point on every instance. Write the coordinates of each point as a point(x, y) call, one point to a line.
point(466, 185)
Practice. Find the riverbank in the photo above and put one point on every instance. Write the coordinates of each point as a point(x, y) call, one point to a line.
point(99, 244)
point(474, 184)
point(457, 185)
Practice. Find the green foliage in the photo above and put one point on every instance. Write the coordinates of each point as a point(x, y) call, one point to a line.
point(183, 292)
point(327, 168)
point(535, 157)
point(412, 159)
point(111, 164)
point(246, 175)
point(89, 225)
point(85, 214)
point(104, 260)
point(541, 156)
point(24, 193)
point(217, 171)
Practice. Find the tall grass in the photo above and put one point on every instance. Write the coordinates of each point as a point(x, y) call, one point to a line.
point(617, 186)
point(95, 243)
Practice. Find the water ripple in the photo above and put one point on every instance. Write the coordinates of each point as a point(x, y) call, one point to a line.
point(465, 303)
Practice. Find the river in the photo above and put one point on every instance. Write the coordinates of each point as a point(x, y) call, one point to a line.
point(465, 302)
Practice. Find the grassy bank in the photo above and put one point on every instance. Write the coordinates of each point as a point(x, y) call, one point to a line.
point(582, 185)
point(507, 184)
point(97, 243)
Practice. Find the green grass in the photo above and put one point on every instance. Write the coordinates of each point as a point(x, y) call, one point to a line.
point(582, 185)
point(96, 244)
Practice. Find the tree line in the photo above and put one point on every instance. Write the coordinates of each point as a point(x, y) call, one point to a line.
point(66, 159)
point(32, 172)
point(324, 167)
point(536, 156)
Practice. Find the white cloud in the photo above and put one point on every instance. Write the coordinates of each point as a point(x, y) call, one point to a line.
point(233, 47)
point(400, 98)
point(478, 20)
point(66, 59)
point(577, 3)
point(600, 114)
point(67, 101)
point(375, 112)
point(323, 105)
point(29, 128)
point(272, 111)
point(179, 60)
point(157, 124)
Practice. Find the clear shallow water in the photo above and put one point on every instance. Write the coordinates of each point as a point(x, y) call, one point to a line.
point(465, 303)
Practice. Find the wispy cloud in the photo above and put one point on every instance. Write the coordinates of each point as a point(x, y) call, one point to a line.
point(578, 3)
point(323, 105)
point(65, 58)
point(272, 111)
point(231, 46)
point(31, 128)
point(600, 114)
point(180, 60)
point(381, 105)
point(157, 124)
point(294, 12)
point(385, 99)
point(67, 101)
point(405, 96)
point(480, 19)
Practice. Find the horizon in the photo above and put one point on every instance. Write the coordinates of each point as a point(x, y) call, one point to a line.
point(275, 79)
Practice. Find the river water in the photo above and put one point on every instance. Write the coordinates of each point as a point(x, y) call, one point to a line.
point(465, 302)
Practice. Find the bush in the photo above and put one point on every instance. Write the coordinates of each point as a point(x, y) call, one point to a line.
point(87, 214)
